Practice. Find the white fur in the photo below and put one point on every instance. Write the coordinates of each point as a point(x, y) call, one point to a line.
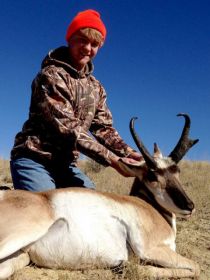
point(2, 195)
point(163, 162)
point(88, 229)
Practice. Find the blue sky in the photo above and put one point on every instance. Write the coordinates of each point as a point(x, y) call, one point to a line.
point(155, 63)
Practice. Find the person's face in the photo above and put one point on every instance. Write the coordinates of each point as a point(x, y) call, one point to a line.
point(82, 50)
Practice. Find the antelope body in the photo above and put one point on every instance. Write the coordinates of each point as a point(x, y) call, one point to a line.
point(76, 228)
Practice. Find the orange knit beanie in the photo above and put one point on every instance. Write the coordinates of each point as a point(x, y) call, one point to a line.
point(87, 18)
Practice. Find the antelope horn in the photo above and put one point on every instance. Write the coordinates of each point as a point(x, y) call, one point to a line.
point(184, 143)
point(146, 155)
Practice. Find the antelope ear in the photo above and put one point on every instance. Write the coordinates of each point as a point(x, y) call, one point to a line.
point(157, 152)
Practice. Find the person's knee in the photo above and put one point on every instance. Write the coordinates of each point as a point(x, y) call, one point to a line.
point(30, 175)
point(33, 186)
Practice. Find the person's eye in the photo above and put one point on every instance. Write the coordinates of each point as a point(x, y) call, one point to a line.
point(83, 41)
point(95, 44)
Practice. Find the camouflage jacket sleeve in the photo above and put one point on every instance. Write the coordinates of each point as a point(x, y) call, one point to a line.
point(50, 91)
point(105, 133)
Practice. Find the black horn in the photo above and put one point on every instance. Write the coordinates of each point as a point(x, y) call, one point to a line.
point(146, 155)
point(184, 143)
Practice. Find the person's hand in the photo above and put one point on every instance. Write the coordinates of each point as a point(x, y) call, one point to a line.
point(133, 154)
point(115, 163)
point(136, 156)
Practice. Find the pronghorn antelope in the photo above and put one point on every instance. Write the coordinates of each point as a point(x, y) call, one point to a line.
point(75, 227)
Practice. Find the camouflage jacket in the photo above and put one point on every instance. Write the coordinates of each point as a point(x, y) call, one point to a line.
point(68, 114)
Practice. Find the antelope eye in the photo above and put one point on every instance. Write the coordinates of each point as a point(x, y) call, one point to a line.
point(174, 169)
point(151, 176)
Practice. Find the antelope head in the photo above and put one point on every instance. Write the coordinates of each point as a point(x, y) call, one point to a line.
point(157, 177)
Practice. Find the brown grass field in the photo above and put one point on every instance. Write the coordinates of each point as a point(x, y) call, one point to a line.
point(193, 235)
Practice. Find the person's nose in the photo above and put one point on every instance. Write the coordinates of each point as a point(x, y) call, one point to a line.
point(88, 47)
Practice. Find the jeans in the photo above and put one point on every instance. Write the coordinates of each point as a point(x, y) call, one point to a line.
point(28, 174)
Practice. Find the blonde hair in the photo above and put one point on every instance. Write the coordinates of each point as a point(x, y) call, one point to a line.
point(93, 35)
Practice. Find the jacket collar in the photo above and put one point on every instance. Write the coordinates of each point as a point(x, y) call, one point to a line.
point(60, 58)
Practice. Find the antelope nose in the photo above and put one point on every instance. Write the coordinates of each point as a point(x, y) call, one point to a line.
point(191, 206)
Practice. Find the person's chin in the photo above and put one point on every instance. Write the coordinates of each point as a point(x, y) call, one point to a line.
point(82, 62)
point(85, 60)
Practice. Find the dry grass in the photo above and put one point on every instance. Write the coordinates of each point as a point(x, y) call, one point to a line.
point(5, 177)
point(193, 236)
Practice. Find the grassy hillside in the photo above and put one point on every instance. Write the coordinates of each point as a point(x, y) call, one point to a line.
point(193, 236)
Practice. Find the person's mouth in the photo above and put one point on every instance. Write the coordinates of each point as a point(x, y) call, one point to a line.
point(85, 55)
